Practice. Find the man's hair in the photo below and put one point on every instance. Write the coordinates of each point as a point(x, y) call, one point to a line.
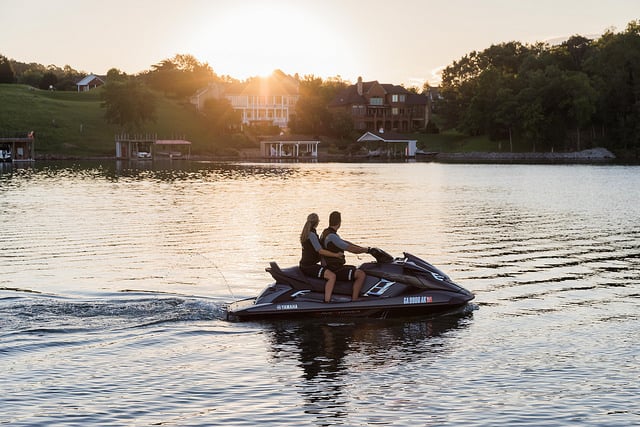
point(334, 218)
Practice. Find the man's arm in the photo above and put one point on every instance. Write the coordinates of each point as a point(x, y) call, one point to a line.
point(346, 246)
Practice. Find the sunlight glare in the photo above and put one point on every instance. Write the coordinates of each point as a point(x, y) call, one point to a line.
point(254, 40)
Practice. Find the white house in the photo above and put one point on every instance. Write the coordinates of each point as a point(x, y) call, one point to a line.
point(260, 100)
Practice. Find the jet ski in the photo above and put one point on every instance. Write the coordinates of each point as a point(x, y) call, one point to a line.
point(394, 287)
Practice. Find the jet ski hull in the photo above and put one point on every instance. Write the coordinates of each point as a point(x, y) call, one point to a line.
point(409, 306)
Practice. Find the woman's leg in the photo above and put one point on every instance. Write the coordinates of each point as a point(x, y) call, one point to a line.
point(331, 282)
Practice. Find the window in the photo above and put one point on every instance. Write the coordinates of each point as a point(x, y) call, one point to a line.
point(394, 111)
point(375, 101)
point(403, 98)
point(394, 98)
point(357, 110)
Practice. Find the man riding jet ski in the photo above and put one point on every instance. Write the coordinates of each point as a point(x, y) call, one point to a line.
point(393, 287)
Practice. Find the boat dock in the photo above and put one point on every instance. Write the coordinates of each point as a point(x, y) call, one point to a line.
point(18, 148)
point(149, 147)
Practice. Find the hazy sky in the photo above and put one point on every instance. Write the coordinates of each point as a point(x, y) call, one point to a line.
point(392, 41)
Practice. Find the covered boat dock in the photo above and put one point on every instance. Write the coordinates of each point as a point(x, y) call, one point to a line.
point(289, 146)
point(146, 147)
point(18, 148)
point(387, 144)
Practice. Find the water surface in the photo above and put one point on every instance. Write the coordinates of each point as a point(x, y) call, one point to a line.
point(114, 280)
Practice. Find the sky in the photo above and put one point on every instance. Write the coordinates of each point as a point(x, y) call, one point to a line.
point(392, 41)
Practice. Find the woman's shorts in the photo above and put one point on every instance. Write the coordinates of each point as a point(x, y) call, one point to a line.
point(315, 270)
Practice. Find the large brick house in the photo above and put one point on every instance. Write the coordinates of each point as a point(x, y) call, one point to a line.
point(374, 106)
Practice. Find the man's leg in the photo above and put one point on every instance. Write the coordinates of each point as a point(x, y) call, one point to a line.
point(357, 284)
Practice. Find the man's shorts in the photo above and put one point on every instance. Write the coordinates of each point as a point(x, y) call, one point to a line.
point(315, 270)
point(346, 273)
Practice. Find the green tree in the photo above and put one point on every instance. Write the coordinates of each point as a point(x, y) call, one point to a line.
point(581, 102)
point(312, 115)
point(180, 76)
point(31, 78)
point(68, 77)
point(221, 117)
point(115, 75)
point(7, 75)
point(128, 104)
point(614, 69)
point(49, 80)
point(341, 124)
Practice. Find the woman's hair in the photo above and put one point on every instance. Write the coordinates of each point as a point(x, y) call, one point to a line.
point(312, 222)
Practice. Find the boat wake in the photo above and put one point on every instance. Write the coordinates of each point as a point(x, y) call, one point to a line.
point(37, 313)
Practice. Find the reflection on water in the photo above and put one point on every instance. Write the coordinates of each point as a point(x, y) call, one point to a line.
point(322, 348)
point(114, 276)
point(327, 354)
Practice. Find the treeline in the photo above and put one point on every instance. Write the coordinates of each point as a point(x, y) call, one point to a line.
point(578, 94)
point(38, 75)
point(538, 97)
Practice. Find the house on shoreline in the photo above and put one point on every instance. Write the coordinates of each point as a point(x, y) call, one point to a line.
point(374, 106)
point(260, 101)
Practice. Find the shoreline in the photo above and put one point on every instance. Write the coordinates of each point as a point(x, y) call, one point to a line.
point(589, 156)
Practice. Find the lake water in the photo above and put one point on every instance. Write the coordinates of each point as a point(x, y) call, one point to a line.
point(114, 279)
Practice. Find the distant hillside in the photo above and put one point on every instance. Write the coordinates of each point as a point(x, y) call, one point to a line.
point(71, 124)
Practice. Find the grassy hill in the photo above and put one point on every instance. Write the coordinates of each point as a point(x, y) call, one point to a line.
point(71, 124)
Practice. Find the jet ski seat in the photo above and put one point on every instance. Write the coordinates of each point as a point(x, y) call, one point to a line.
point(298, 280)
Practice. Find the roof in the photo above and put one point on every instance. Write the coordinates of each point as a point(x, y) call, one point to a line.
point(416, 99)
point(291, 138)
point(172, 142)
point(88, 79)
point(384, 137)
point(350, 96)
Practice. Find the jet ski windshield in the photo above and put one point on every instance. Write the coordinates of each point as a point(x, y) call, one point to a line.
point(381, 256)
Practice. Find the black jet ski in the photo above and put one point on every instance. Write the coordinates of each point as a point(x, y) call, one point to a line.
point(394, 287)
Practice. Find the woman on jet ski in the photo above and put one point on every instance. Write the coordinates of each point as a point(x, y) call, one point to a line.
point(312, 251)
point(335, 245)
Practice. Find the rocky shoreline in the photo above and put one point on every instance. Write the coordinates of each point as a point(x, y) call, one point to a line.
point(590, 156)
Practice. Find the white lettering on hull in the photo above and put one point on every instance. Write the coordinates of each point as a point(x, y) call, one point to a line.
point(418, 300)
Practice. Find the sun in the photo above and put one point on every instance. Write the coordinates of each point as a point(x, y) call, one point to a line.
point(255, 39)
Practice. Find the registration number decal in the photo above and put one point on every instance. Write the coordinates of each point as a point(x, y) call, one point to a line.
point(417, 300)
